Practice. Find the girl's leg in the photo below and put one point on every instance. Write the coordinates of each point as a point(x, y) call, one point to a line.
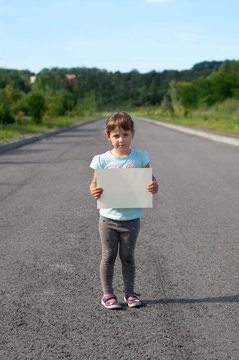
point(109, 241)
point(128, 236)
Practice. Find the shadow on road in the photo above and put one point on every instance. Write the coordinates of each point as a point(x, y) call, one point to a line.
point(182, 301)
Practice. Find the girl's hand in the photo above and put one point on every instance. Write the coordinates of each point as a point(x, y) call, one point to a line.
point(153, 187)
point(96, 192)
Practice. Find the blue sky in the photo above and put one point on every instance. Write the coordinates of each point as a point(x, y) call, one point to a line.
point(117, 34)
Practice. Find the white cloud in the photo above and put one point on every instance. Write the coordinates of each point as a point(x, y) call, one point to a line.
point(158, 1)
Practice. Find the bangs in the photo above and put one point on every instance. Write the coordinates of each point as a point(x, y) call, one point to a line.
point(122, 120)
point(122, 123)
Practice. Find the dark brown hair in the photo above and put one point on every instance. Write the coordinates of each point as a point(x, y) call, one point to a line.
point(121, 119)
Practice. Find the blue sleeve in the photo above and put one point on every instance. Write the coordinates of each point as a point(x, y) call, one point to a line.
point(97, 162)
point(145, 158)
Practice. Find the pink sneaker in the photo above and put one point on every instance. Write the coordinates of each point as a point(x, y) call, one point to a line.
point(111, 305)
point(135, 302)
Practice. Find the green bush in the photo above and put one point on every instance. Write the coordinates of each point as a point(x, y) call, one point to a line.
point(229, 106)
point(36, 106)
point(6, 116)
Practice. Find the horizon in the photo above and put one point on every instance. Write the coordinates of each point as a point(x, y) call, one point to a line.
point(122, 72)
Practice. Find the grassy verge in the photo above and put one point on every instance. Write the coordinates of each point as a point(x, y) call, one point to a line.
point(222, 118)
point(230, 127)
point(10, 132)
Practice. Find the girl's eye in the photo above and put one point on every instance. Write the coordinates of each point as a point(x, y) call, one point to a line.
point(117, 136)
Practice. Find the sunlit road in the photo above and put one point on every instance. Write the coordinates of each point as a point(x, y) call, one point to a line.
point(187, 254)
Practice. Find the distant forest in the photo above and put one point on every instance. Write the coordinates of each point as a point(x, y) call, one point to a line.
point(78, 91)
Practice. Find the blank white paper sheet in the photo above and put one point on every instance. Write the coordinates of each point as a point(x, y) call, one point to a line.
point(124, 188)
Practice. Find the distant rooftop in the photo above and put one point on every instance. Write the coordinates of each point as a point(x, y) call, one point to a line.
point(71, 76)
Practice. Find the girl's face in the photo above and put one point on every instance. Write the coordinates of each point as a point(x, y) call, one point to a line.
point(120, 140)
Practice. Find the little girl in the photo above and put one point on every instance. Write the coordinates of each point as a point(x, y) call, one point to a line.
point(119, 228)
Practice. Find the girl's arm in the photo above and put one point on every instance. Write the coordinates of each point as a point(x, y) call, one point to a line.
point(153, 186)
point(94, 190)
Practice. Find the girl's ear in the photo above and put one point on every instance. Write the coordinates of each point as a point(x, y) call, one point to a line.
point(106, 135)
point(108, 138)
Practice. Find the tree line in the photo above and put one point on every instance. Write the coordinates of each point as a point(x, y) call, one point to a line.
point(82, 91)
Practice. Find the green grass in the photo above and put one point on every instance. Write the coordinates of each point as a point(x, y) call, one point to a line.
point(10, 132)
point(223, 118)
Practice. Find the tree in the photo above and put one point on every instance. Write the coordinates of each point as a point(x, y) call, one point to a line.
point(36, 106)
point(166, 105)
point(6, 116)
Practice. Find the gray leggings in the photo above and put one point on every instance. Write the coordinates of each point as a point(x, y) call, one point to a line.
point(118, 236)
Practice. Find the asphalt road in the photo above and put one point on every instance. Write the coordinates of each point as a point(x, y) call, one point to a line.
point(187, 254)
